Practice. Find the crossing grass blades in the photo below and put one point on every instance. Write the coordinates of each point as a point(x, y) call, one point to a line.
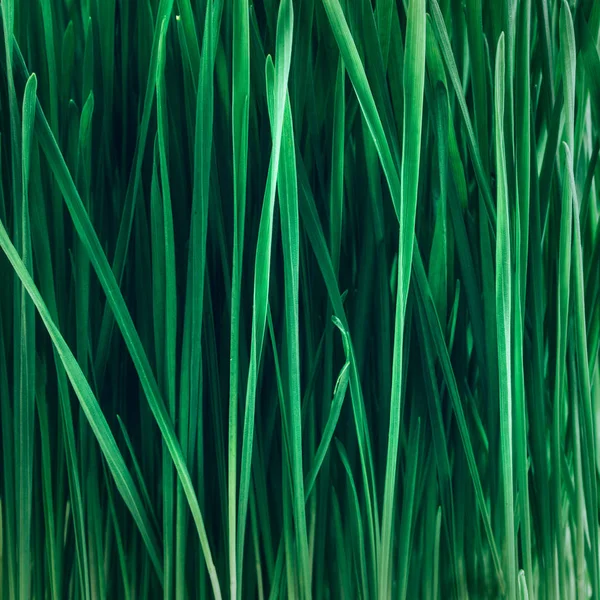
point(299, 299)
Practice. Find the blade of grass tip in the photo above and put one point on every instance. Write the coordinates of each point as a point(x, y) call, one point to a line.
point(240, 120)
point(339, 393)
point(82, 263)
point(523, 593)
point(277, 78)
point(108, 281)
point(262, 273)
point(288, 198)
point(88, 402)
point(503, 324)
point(170, 308)
point(414, 82)
point(583, 375)
point(25, 363)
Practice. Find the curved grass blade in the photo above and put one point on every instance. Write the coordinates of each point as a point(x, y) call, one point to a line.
point(414, 82)
point(358, 77)
point(504, 327)
point(192, 353)
point(314, 232)
point(288, 196)
point(277, 78)
point(240, 120)
point(25, 363)
point(339, 393)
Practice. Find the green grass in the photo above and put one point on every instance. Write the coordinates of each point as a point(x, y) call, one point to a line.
point(300, 299)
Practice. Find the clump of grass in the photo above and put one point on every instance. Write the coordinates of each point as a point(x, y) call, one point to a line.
point(299, 299)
